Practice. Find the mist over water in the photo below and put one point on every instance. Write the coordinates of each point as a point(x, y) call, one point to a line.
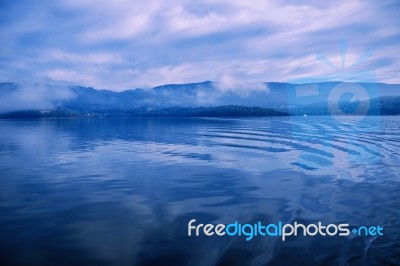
point(122, 191)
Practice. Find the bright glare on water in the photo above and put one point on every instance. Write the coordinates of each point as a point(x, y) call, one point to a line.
point(121, 191)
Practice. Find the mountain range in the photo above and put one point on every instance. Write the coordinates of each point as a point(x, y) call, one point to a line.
point(201, 99)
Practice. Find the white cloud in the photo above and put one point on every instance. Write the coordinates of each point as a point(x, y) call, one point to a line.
point(231, 83)
point(83, 58)
point(120, 44)
point(33, 96)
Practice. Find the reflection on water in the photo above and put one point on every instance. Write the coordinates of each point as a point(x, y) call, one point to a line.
point(121, 191)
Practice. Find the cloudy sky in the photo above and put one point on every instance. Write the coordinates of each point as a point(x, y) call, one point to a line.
point(140, 43)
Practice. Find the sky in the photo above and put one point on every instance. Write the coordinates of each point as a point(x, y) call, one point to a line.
point(125, 44)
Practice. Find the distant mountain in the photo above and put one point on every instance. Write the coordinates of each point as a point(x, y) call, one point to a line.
point(274, 95)
point(217, 111)
point(201, 99)
point(376, 106)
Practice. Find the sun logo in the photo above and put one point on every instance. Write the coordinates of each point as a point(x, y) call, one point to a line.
point(352, 95)
point(343, 51)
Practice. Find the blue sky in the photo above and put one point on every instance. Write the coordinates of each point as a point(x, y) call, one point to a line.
point(127, 44)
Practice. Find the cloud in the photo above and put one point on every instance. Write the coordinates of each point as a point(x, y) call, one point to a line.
point(229, 83)
point(79, 59)
point(127, 44)
point(32, 96)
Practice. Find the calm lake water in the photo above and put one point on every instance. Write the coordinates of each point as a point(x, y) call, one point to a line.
point(122, 191)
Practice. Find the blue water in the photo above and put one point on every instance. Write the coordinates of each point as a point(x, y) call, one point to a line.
point(122, 191)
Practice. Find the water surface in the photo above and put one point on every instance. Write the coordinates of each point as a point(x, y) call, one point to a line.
point(121, 191)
